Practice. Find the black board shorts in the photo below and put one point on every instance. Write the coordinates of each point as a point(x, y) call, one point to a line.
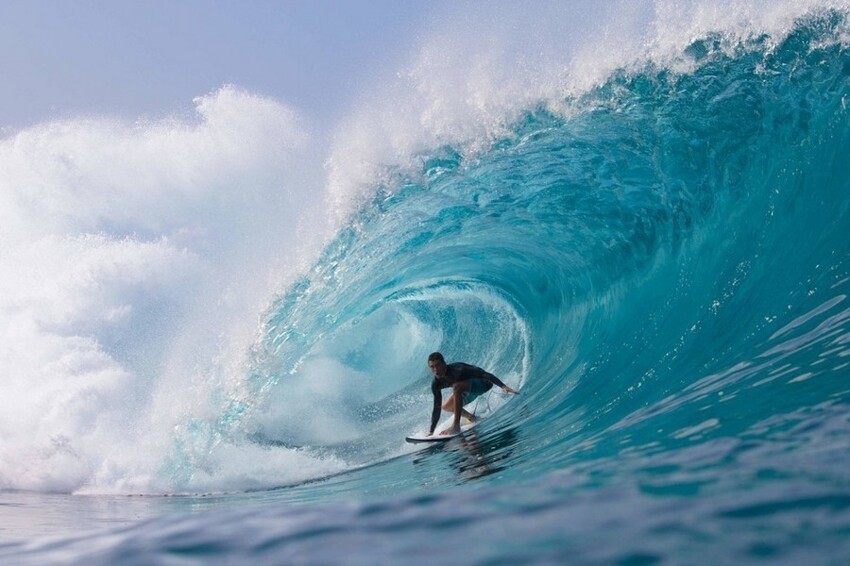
point(477, 387)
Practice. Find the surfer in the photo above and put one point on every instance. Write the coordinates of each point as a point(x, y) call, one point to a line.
point(467, 382)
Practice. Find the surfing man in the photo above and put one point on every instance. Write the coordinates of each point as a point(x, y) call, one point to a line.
point(467, 383)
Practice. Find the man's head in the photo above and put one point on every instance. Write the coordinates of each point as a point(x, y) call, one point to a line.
point(437, 363)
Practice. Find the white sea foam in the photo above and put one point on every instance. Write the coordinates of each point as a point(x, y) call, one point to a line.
point(136, 258)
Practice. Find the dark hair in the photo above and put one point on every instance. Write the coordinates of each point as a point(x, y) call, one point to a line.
point(436, 357)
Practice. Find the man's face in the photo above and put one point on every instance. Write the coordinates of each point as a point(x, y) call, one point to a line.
point(438, 368)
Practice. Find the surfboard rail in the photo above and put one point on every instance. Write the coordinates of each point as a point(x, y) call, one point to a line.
point(423, 436)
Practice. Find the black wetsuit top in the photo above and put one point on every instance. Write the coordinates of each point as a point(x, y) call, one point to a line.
point(457, 371)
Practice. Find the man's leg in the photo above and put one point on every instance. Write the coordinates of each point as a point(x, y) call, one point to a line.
point(456, 400)
point(449, 406)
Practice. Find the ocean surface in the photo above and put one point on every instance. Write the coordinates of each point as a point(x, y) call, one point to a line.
point(658, 259)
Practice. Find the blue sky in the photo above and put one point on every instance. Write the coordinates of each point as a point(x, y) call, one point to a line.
point(151, 58)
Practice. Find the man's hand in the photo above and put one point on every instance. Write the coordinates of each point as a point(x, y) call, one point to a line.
point(508, 389)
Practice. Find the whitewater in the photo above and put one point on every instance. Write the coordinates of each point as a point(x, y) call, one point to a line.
point(215, 325)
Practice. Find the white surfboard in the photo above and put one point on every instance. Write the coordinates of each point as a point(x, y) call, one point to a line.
point(423, 436)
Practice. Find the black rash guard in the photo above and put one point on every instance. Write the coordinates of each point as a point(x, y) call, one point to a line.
point(457, 371)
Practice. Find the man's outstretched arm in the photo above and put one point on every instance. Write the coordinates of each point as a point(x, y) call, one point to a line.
point(495, 381)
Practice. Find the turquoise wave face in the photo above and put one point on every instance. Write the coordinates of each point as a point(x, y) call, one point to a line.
point(664, 267)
